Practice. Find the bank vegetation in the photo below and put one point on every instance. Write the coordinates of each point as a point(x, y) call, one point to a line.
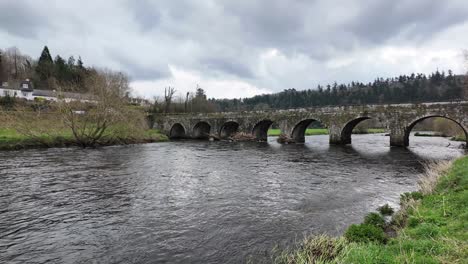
point(430, 227)
point(102, 116)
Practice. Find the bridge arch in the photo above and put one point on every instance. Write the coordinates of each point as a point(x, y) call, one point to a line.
point(201, 130)
point(177, 131)
point(413, 123)
point(228, 129)
point(260, 130)
point(298, 132)
point(347, 130)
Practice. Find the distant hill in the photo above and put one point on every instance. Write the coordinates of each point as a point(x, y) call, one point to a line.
point(412, 88)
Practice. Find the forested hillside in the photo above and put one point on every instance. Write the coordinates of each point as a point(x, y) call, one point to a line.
point(46, 72)
point(439, 86)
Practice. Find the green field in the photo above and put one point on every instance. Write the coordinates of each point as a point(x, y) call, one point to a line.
point(431, 228)
point(323, 131)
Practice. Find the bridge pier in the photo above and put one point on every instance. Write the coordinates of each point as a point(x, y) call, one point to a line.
point(398, 137)
point(334, 132)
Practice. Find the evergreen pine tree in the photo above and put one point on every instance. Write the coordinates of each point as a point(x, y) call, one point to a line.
point(61, 70)
point(45, 66)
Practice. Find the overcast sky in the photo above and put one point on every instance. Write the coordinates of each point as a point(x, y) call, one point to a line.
point(239, 48)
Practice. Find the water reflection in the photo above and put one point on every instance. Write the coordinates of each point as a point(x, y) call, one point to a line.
point(197, 202)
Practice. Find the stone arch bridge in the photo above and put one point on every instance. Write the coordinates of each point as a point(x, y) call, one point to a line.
point(340, 121)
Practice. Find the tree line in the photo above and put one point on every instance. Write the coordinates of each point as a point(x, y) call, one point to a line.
point(192, 102)
point(413, 88)
point(46, 73)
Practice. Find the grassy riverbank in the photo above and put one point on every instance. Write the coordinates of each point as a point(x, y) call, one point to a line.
point(324, 131)
point(426, 134)
point(429, 228)
point(11, 139)
point(460, 138)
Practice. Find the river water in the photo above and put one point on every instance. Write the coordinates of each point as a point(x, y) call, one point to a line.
point(196, 202)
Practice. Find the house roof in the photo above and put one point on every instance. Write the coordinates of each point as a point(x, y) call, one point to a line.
point(53, 93)
point(50, 93)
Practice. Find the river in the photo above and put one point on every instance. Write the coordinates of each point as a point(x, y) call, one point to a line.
point(196, 201)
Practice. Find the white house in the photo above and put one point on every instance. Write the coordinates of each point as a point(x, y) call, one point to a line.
point(27, 91)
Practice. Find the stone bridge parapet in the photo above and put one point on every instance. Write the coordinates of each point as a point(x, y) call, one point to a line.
point(399, 119)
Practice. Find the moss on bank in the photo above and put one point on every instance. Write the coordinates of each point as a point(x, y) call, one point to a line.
point(429, 228)
point(11, 140)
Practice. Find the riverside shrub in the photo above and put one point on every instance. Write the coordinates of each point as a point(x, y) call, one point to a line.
point(365, 233)
point(386, 209)
point(374, 219)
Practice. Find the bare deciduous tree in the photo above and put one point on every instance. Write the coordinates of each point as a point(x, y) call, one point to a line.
point(16, 65)
point(92, 115)
point(168, 94)
point(186, 102)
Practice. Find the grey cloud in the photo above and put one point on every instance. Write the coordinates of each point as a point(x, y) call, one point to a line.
point(143, 73)
point(138, 71)
point(145, 14)
point(228, 66)
point(380, 21)
point(226, 39)
point(20, 19)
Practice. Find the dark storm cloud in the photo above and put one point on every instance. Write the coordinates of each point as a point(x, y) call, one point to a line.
point(20, 19)
point(265, 43)
point(316, 27)
point(417, 20)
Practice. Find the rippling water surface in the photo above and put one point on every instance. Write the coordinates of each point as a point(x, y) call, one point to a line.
point(195, 202)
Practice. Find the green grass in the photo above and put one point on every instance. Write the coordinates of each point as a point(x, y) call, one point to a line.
point(322, 131)
point(155, 135)
point(435, 229)
point(458, 138)
point(375, 130)
point(309, 132)
point(11, 136)
point(11, 139)
point(8, 135)
point(422, 134)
